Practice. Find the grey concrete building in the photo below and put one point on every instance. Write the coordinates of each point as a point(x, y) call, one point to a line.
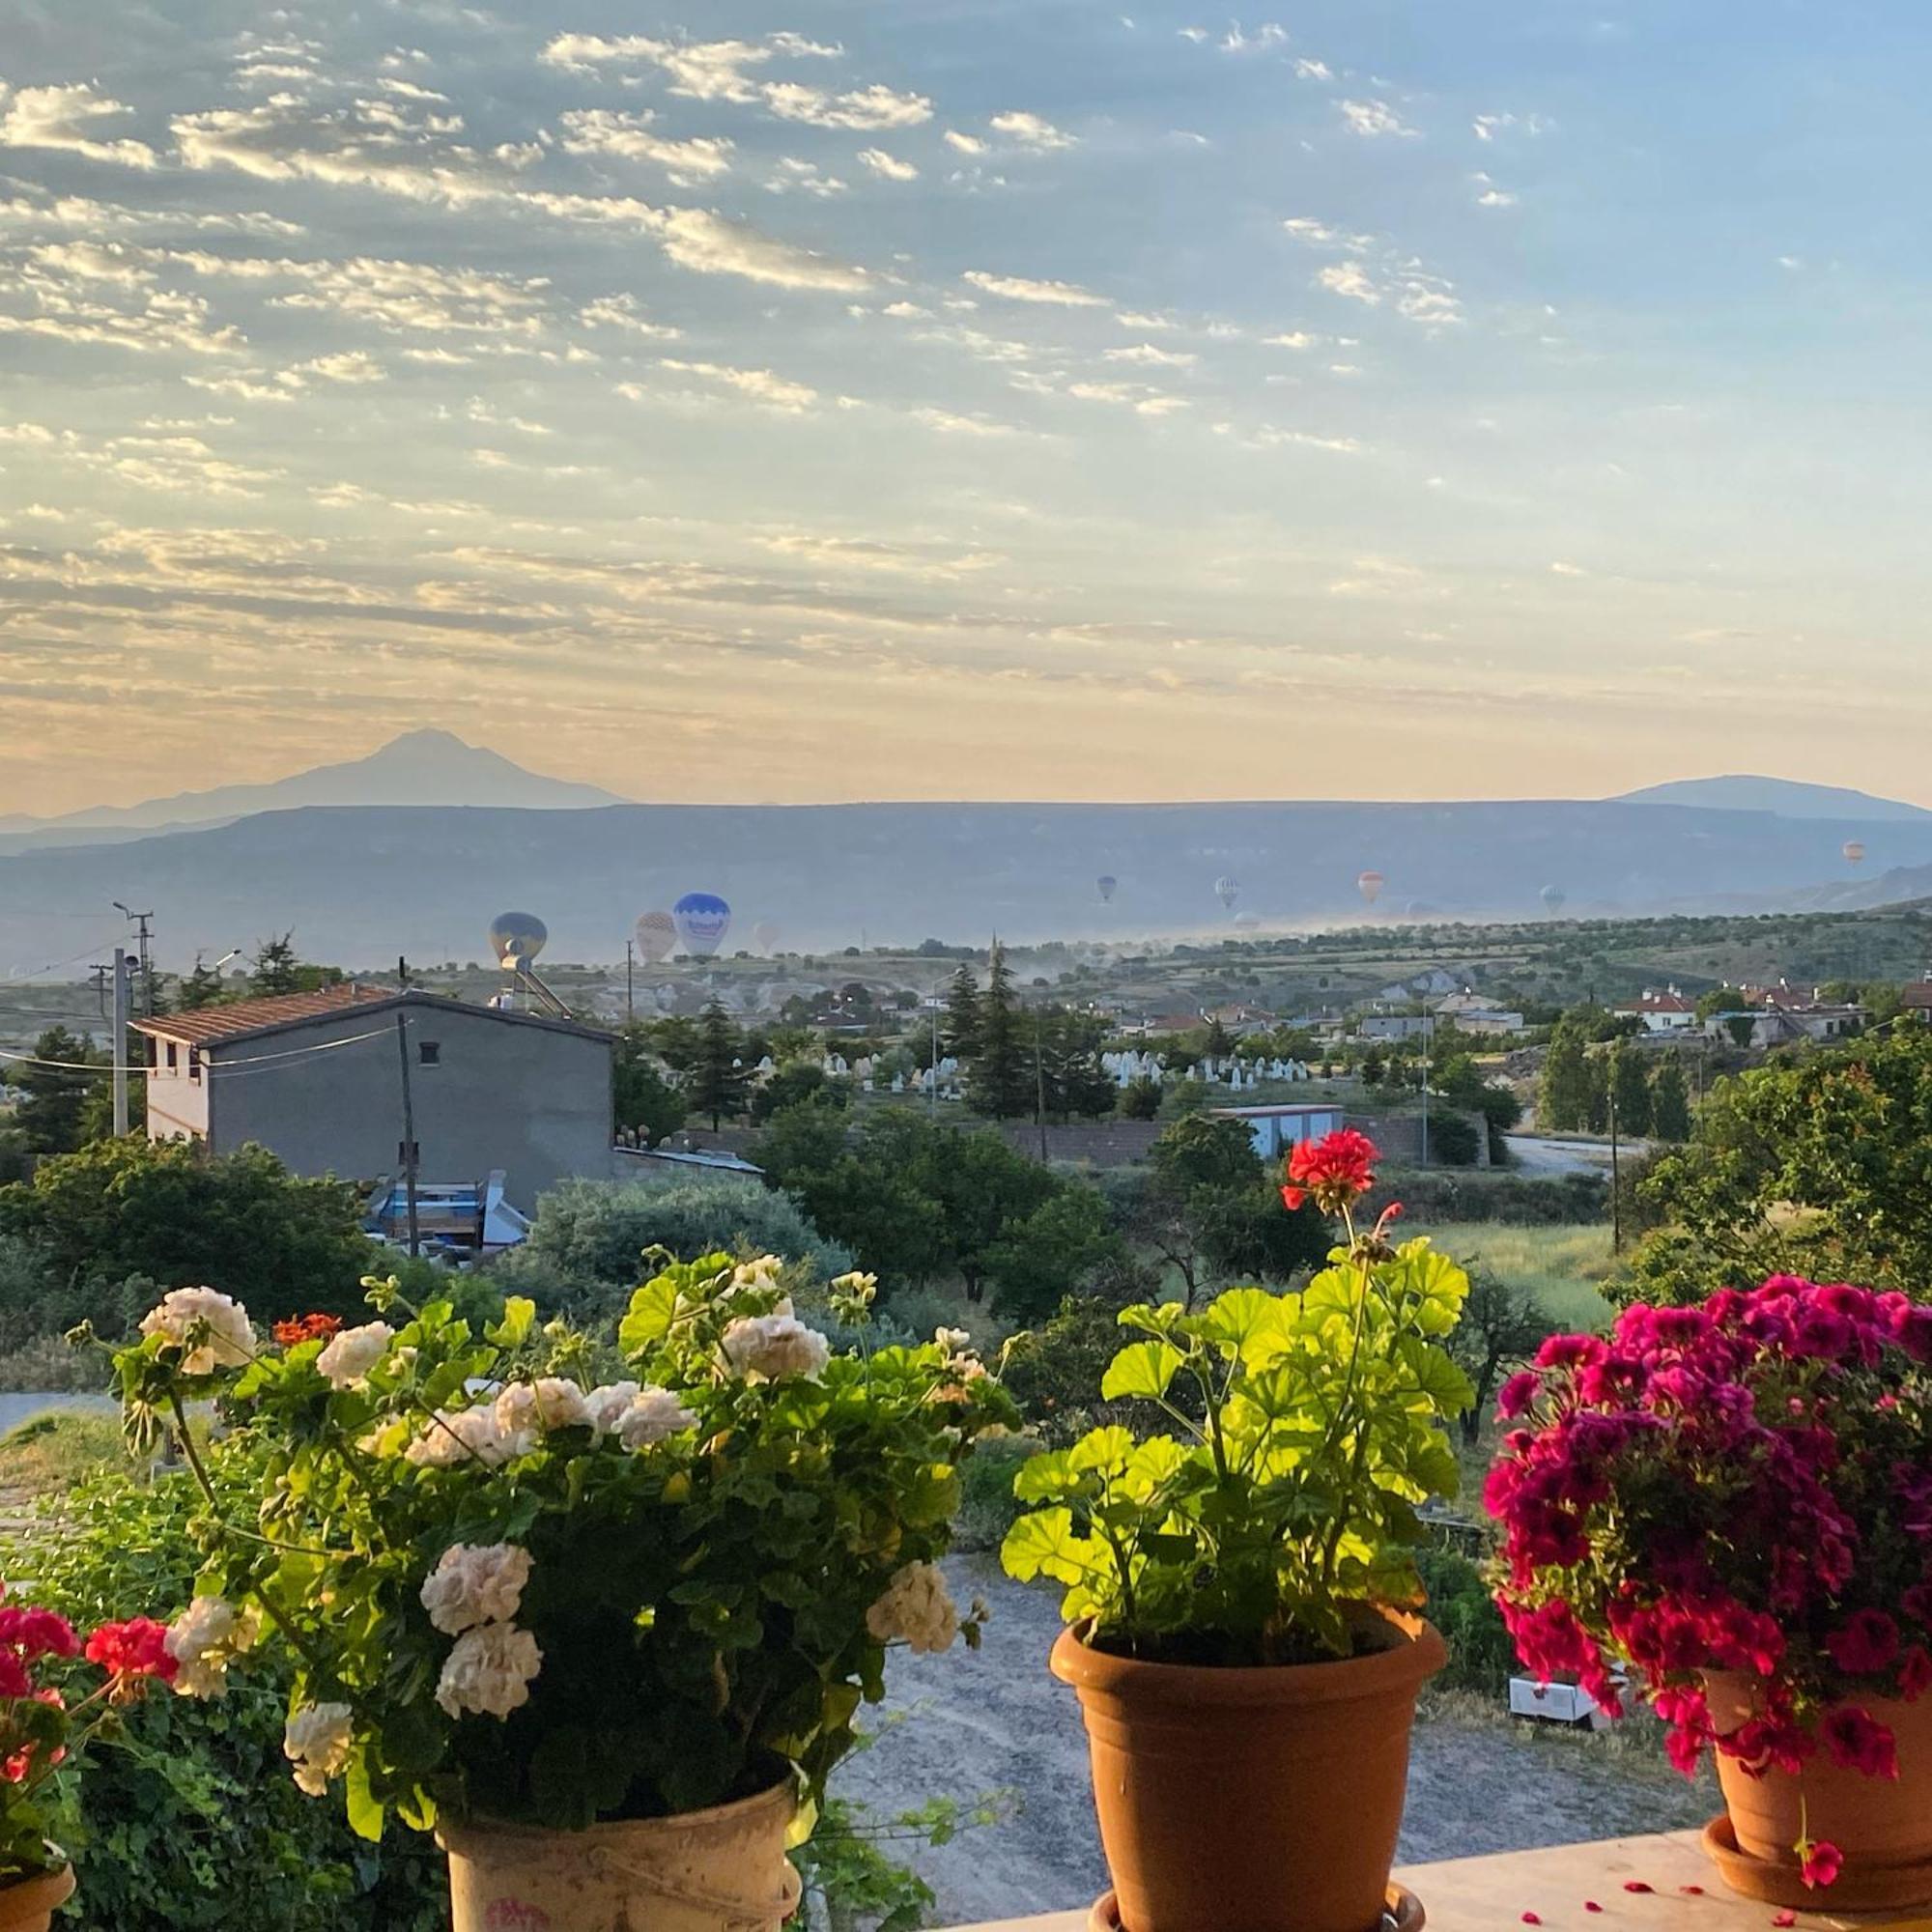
point(316, 1078)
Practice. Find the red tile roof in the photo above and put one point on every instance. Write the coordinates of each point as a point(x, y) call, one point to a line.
point(209, 1025)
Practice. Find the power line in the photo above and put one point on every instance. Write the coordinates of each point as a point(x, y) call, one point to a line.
point(213, 1067)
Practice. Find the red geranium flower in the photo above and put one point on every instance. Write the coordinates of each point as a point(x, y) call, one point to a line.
point(1858, 1742)
point(135, 1648)
point(1335, 1172)
point(1821, 1860)
point(1866, 1641)
point(301, 1329)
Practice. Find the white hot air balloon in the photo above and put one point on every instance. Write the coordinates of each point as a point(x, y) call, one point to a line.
point(703, 920)
point(1370, 885)
point(1555, 898)
point(516, 938)
point(1227, 889)
point(1855, 851)
point(657, 936)
point(765, 936)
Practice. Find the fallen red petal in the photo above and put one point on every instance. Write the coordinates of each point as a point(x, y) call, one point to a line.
point(1695, 1890)
point(1638, 1885)
point(1532, 1918)
point(1785, 1919)
point(1591, 1905)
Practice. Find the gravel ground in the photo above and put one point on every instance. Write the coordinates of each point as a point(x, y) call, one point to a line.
point(995, 1720)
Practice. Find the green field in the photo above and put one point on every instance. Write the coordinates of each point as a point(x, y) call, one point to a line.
point(1565, 1268)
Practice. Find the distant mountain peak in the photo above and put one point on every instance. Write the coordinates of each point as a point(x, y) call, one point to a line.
point(427, 765)
point(1787, 798)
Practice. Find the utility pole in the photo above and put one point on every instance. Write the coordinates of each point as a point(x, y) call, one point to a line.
point(1616, 1175)
point(1039, 1086)
point(120, 1042)
point(629, 990)
point(141, 938)
point(932, 1092)
point(409, 1133)
point(402, 972)
point(99, 989)
point(1425, 1087)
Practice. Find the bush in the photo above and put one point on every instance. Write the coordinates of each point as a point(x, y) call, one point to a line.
point(988, 1505)
point(595, 1231)
point(1433, 1194)
point(1481, 1656)
point(1455, 1140)
point(196, 1821)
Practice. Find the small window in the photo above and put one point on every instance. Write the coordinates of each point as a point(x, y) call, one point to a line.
point(194, 1063)
point(174, 1057)
point(429, 1052)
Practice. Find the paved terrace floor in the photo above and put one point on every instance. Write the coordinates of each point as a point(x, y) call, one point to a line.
point(1658, 1884)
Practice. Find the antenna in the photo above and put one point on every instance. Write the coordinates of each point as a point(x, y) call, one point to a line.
point(147, 965)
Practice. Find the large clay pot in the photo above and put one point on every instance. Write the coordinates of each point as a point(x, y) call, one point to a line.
point(724, 1869)
point(1883, 1826)
point(29, 1904)
point(1265, 1799)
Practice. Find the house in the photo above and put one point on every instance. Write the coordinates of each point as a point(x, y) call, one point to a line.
point(1473, 1013)
point(1916, 998)
point(1241, 1020)
point(1391, 1027)
point(318, 1079)
point(1662, 1011)
point(1277, 1129)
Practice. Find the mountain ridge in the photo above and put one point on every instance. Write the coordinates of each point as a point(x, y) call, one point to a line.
point(1784, 797)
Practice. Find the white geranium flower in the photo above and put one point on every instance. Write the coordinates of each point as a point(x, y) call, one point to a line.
point(606, 1405)
point(351, 1355)
point(549, 1402)
point(205, 1640)
point(211, 1330)
point(316, 1741)
point(775, 1347)
point(489, 1670)
point(653, 1416)
point(915, 1610)
point(761, 1273)
point(453, 1436)
point(476, 1583)
point(954, 1341)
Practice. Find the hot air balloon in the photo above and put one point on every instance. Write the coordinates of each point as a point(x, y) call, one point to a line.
point(765, 936)
point(1555, 898)
point(1227, 889)
point(703, 920)
point(516, 938)
point(1855, 851)
point(657, 936)
point(1370, 885)
point(1106, 883)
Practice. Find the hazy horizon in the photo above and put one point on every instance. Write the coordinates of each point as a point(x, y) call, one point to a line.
point(819, 403)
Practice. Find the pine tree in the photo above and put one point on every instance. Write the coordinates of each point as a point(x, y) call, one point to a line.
point(964, 1020)
point(49, 1118)
point(716, 1085)
point(1000, 1072)
point(1630, 1086)
point(200, 988)
point(1671, 1102)
point(1071, 1076)
point(276, 968)
point(1564, 1101)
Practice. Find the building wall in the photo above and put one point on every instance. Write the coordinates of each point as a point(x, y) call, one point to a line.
point(530, 1100)
point(177, 1097)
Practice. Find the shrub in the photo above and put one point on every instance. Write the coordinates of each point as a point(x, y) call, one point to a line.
point(1460, 1606)
point(597, 1231)
point(1519, 1200)
point(195, 1822)
point(988, 1505)
point(1455, 1140)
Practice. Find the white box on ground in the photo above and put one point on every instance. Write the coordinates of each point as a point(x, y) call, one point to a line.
point(1554, 1703)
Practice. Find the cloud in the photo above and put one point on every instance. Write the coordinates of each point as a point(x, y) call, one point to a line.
point(1019, 288)
point(888, 166)
point(1029, 130)
point(967, 144)
point(1293, 338)
point(1313, 70)
point(1487, 127)
point(948, 422)
point(708, 244)
point(350, 365)
point(1154, 357)
point(866, 109)
point(65, 118)
point(1237, 40)
point(794, 176)
point(760, 386)
point(600, 130)
point(1374, 118)
point(625, 312)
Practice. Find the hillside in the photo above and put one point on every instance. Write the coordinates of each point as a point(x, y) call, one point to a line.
point(1788, 799)
point(360, 885)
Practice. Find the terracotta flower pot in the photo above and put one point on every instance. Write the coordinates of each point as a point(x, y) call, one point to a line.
point(29, 1904)
point(1882, 1825)
point(1265, 1799)
point(723, 1869)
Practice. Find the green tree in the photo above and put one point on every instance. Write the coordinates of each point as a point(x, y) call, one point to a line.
point(642, 1102)
point(801, 1080)
point(1068, 1075)
point(277, 969)
point(1670, 1101)
point(1140, 1099)
point(716, 1081)
point(1502, 1326)
point(960, 1031)
point(1629, 1088)
point(51, 1116)
point(1819, 1166)
point(1563, 1103)
point(200, 988)
point(1054, 1252)
point(999, 1072)
point(170, 1211)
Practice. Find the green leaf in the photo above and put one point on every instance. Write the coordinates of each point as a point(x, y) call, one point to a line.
point(1043, 1544)
point(1103, 1450)
point(365, 1813)
point(1144, 1369)
point(1245, 1321)
point(650, 1319)
point(519, 1313)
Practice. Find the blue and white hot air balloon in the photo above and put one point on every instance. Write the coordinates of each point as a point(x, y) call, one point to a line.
point(1105, 885)
point(703, 920)
point(516, 938)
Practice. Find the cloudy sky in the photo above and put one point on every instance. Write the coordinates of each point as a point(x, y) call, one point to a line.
point(966, 397)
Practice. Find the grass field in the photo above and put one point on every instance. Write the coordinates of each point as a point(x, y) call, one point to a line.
point(1565, 1268)
point(56, 1450)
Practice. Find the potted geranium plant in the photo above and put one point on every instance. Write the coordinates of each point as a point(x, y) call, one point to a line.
point(1736, 1500)
point(1240, 1587)
point(608, 1635)
point(50, 1713)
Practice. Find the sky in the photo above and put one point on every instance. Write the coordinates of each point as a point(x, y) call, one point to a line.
point(966, 398)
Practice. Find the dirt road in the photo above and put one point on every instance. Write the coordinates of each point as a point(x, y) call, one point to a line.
point(992, 1719)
